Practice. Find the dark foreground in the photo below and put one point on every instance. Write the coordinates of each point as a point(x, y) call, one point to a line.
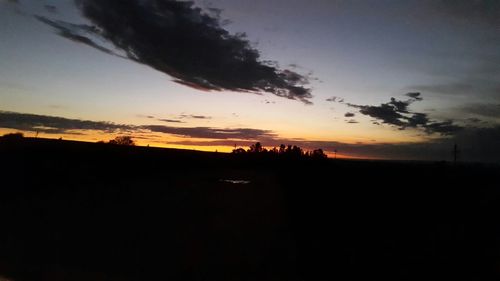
point(80, 211)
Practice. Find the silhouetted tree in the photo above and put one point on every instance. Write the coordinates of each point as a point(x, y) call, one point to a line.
point(296, 151)
point(289, 151)
point(318, 154)
point(255, 148)
point(282, 149)
point(123, 140)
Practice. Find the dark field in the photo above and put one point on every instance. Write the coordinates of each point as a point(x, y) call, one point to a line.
point(82, 211)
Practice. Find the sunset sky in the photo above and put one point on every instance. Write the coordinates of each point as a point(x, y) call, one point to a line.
point(372, 79)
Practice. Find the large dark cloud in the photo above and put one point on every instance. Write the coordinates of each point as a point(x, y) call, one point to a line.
point(183, 41)
point(396, 113)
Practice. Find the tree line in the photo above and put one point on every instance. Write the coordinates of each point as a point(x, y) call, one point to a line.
point(289, 151)
point(283, 150)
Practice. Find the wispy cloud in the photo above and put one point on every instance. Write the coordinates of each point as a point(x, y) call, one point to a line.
point(171, 121)
point(79, 33)
point(192, 116)
point(335, 99)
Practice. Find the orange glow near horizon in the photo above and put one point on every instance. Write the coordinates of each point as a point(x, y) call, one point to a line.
point(162, 142)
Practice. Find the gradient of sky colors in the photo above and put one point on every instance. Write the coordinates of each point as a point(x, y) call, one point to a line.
point(356, 55)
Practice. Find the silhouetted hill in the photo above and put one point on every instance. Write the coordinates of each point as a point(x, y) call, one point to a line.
point(85, 211)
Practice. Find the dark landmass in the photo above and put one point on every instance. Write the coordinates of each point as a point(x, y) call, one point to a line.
point(84, 211)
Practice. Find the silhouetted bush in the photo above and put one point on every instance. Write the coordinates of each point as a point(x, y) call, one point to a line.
point(122, 140)
point(12, 137)
point(318, 154)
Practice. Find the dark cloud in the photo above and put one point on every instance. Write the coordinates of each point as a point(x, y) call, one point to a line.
point(349, 114)
point(352, 121)
point(212, 133)
point(443, 128)
point(222, 142)
point(396, 113)
point(415, 95)
point(60, 125)
point(417, 119)
point(335, 99)
point(171, 121)
point(54, 125)
point(183, 41)
point(386, 112)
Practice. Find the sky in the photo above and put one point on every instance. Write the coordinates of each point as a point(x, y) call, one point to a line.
point(370, 79)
